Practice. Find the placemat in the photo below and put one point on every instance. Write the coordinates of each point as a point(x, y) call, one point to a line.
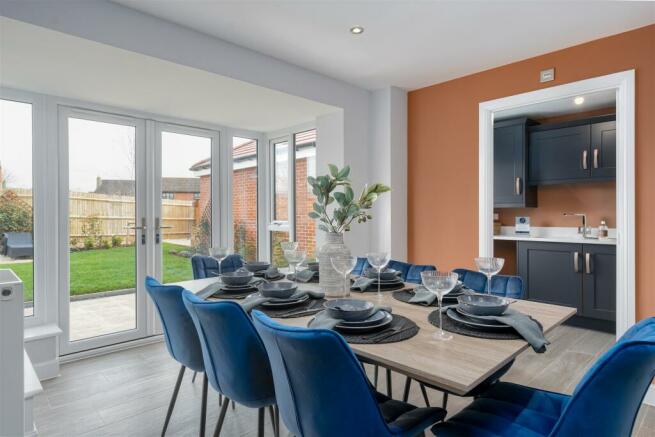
point(398, 321)
point(458, 328)
point(222, 295)
point(374, 288)
point(405, 296)
point(311, 306)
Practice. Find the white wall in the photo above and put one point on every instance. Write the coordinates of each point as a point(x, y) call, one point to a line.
point(388, 164)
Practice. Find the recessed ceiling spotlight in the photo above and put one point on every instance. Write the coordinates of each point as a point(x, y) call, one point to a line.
point(357, 30)
point(578, 100)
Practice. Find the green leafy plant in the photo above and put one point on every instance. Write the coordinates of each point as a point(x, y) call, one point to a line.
point(116, 241)
point(345, 207)
point(89, 243)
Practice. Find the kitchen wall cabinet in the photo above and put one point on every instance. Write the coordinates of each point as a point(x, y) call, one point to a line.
point(603, 150)
point(578, 275)
point(510, 159)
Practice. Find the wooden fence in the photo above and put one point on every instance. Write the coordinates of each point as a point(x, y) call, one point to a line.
point(113, 214)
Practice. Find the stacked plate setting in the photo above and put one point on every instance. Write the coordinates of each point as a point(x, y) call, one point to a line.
point(237, 282)
point(472, 309)
point(389, 279)
point(282, 294)
point(358, 316)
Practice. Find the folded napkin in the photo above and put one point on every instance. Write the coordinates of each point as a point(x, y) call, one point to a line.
point(525, 325)
point(304, 275)
point(323, 320)
point(256, 299)
point(362, 283)
point(423, 296)
point(209, 290)
point(271, 272)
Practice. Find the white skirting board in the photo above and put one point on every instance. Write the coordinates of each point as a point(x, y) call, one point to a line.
point(650, 396)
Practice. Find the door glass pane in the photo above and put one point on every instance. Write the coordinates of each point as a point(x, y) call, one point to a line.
point(102, 168)
point(305, 165)
point(244, 197)
point(186, 202)
point(280, 225)
point(16, 218)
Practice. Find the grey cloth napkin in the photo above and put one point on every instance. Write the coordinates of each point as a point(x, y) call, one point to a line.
point(422, 296)
point(525, 325)
point(271, 272)
point(362, 283)
point(209, 290)
point(304, 275)
point(256, 299)
point(323, 320)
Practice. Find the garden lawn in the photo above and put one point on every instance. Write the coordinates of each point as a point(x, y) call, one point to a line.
point(107, 269)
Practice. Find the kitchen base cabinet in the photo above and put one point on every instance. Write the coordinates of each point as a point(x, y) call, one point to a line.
point(582, 276)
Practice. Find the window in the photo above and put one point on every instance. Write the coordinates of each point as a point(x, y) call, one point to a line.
point(16, 195)
point(280, 225)
point(244, 197)
point(305, 165)
point(169, 196)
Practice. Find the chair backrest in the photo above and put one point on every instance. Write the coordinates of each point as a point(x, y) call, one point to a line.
point(607, 399)
point(179, 332)
point(204, 266)
point(18, 237)
point(408, 272)
point(320, 386)
point(501, 285)
point(235, 358)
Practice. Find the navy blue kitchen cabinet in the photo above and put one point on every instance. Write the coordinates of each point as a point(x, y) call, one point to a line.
point(510, 162)
point(603, 150)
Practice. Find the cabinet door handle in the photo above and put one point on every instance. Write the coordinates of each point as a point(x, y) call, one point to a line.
point(596, 158)
point(518, 186)
point(576, 262)
point(584, 160)
point(587, 263)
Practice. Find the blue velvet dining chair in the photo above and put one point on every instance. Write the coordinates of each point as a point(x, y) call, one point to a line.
point(501, 285)
point(204, 266)
point(605, 402)
point(235, 358)
point(322, 390)
point(181, 340)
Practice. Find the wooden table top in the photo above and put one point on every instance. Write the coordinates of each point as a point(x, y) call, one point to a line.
point(457, 365)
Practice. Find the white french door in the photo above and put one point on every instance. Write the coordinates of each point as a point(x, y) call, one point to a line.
point(103, 229)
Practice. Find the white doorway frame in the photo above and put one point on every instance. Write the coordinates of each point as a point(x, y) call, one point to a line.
point(624, 84)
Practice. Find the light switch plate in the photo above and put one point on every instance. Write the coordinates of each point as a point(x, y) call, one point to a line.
point(547, 75)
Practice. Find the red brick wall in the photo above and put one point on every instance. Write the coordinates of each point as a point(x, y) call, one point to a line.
point(305, 226)
point(244, 212)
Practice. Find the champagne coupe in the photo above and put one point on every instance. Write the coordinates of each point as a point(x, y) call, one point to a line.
point(288, 245)
point(294, 257)
point(344, 265)
point(440, 284)
point(378, 260)
point(219, 254)
point(489, 266)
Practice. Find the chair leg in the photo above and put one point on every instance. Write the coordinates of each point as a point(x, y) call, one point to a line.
point(271, 411)
point(375, 376)
point(233, 406)
point(425, 395)
point(221, 417)
point(444, 403)
point(260, 422)
point(203, 408)
point(277, 420)
point(194, 376)
point(220, 400)
point(408, 384)
point(173, 399)
point(389, 392)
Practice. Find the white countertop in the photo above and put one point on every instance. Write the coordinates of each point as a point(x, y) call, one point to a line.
point(554, 235)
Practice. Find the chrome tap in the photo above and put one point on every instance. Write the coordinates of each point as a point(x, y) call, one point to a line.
point(584, 229)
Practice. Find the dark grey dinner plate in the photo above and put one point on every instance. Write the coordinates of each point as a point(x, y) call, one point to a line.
point(371, 320)
point(486, 325)
point(379, 325)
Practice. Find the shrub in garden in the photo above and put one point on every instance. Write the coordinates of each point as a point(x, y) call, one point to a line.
point(105, 244)
point(15, 215)
point(92, 229)
point(116, 241)
point(89, 243)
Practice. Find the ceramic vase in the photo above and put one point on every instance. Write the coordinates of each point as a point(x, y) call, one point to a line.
point(331, 281)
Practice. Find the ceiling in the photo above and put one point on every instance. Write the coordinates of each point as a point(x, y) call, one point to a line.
point(42, 60)
point(410, 43)
point(592, 101)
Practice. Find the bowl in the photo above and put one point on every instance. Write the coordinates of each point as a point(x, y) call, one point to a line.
point(349, 309)
point(257, 266)
point(385, 275)
point(236, 278)
point(483, 304)
point(313, 266)
point(278, 290)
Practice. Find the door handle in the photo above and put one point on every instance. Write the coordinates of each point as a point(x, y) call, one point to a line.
point(596, 158)
point(518, 186)
point(576, 262)
point(158, 227)
point(584, 160)
point(587, 263)
point(141, 228)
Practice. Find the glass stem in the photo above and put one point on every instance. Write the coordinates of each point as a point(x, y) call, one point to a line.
point(346, 284)
point(379, 291)
point(219, 267)
point(440, 322)
point(488, 284)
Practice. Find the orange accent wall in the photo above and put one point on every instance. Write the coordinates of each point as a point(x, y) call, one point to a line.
point(443, 149)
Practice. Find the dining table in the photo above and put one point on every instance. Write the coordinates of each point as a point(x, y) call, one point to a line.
point(457, 365)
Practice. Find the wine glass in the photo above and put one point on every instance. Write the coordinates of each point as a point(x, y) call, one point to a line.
point(489, 266)
point(294, 257)
point(219, 254)
point(288, 245)
point(344, 265)
point(440, 284)
point(378, 260)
